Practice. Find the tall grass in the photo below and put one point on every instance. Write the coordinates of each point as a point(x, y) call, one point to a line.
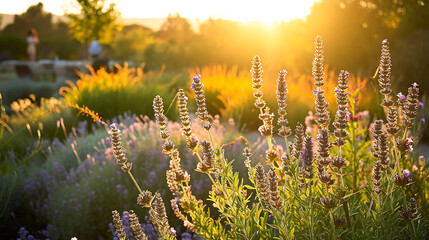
point(125, 90)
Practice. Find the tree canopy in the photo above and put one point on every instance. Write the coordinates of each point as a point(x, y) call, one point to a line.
point(95, 21)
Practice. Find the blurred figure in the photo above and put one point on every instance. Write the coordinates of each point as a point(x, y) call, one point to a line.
point(94, 50)
point(32, 40)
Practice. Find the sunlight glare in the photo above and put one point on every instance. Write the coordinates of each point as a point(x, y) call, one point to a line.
point(245, 11)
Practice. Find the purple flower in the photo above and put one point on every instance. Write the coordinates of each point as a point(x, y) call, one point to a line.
point(196, 78)
point(119, 188)
point(401, 96)
point(406, 174)
point(422, 121)
point(337, 90)
point(315, 92)
point(415, 85)
point(421, 105)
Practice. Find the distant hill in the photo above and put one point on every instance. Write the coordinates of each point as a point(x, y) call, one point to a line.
point(152, 23)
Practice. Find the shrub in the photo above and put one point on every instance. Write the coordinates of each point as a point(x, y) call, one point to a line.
point(352, 182)
point(14, 44)
point(112, 94)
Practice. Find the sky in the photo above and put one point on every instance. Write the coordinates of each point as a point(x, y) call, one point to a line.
point(237, 10)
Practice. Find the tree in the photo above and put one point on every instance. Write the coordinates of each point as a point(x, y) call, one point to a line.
point(95, 21)
point(175, 29)
point(36, 17)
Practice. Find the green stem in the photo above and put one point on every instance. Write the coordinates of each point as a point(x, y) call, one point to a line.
point(311, 211)
point(354, 157)
point(347, 213)
point(211, 139)
point(134, 180)
point(287, 147)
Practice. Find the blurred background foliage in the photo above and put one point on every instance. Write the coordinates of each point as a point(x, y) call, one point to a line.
point(349, 28)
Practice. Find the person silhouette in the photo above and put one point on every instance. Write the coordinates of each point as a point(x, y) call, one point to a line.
point(32, 41)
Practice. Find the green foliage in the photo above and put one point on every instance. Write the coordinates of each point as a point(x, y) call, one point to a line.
point(15, 89)
point(13, 45)
point(95, 21)
point(130, 43)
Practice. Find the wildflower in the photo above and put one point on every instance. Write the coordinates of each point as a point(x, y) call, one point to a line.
point(404, 145)
point(402, 180)
point(282, 92)
point(184, 115)
point(411, 212)
point(261, 183)
point(177, 211)
point(208, 153)
point(275, 199)
point(266, 130)
point(410, 107)
point(384, 74)
point(318, 62)
point(145, 198)
point(158, 216)
point(301, 178)
point(376, 176)
point(271, 155)
point(200, 99)
point(118, 225)
point(383, 151)
point(325, 178)
point(285, 163)
point(247, 153)
point(257, 81)
point(340, 125)
point(392, 119)
point(323, 143)
point(406, 174)
point(338, 162)
point(340, 91)
point(322, 115)
point(422, 121)
point(136, 227)
point(168, 147)
point(115, 135)
point(308, 156)
point(376, 130)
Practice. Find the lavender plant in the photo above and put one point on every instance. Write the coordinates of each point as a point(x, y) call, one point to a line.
point(323, 187)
